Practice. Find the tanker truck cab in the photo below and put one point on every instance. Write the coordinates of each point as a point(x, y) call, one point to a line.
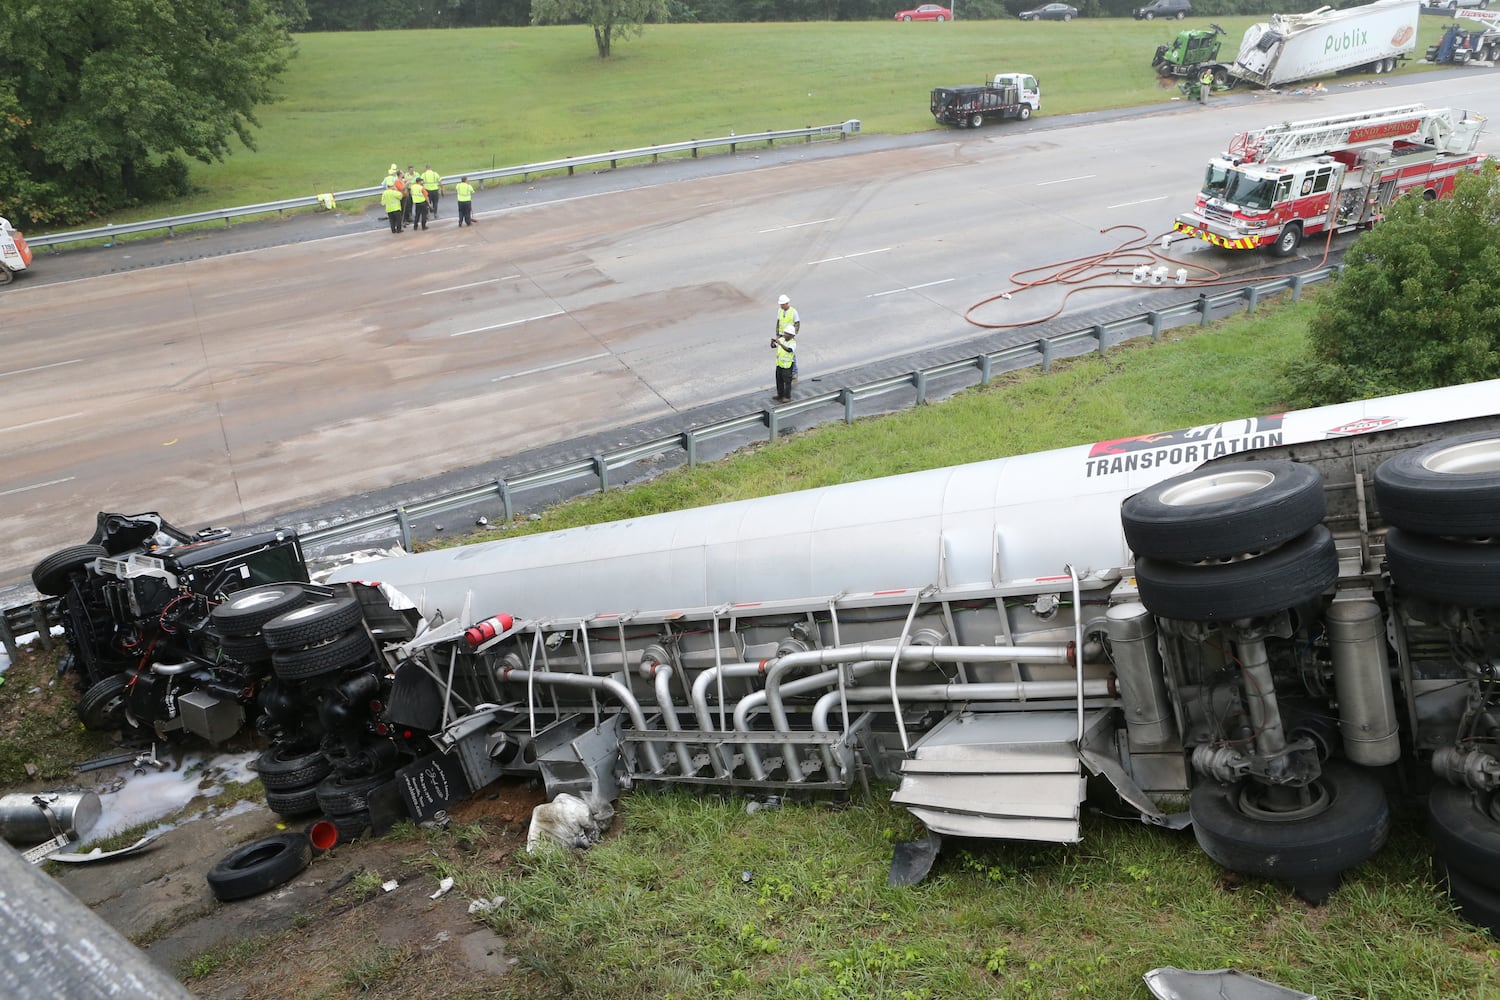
point(15, 255)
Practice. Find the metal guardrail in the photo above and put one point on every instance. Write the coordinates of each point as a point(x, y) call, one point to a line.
point(398, 521)
point(524, 171)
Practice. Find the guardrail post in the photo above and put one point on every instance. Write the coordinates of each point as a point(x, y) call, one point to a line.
point(1101, 335)
point(601, 469)
point(1155, 317)
point(505, 503)
point(983, 361)
point(1046, 348)
point(42, 626)
point(1252, 298)
point(919, 380)
point(772, 423)
point(1296, 287)
point(846, 396)
point(1204, 309)
point(404, 523)
point(690, 445)
point(8, 640)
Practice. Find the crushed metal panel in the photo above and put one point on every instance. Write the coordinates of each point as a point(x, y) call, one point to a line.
point(1168, 983)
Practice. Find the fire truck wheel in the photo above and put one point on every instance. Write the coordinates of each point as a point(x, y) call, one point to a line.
point(51, 575)
point(1464, 573)
point(282, 768)
point(1224, 511)
point(1343, 824)
point(1477, 903)
point(311, 623)
point(340, 795)
point(1283, 578)
point(314, 661)
point(1465, 834)
point(259, 866)
point(1025, 113)
point(1289, 240)
point(102, 707)
point(244, 612)
point(293, 803)
point(1447, 487)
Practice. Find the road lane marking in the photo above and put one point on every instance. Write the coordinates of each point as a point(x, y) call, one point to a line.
point(850, 256)
point(1143, 201)
point(501, 326)
point(38, 423)
point(41, 368)
point(472, 284)
point(36, 486)
point(548, 368)
point(1067, 180)
point(909, 288)
point(794, 225)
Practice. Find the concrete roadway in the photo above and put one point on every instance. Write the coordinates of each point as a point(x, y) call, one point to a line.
point(337, 358)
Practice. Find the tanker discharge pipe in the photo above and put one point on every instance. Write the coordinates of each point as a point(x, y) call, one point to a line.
point(609, 685)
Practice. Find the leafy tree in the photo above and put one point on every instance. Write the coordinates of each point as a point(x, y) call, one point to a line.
point(610, 19)
point(1416, 306)
point(101, 98)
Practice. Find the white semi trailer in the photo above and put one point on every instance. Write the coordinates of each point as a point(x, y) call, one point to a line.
point(1290, 48)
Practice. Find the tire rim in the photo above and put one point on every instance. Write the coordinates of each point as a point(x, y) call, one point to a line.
point(1221, 486)
point(1464, 459)
point(257, 599)
point(1282, 804)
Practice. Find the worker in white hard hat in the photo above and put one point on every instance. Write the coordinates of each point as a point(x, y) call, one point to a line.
point(787, 319)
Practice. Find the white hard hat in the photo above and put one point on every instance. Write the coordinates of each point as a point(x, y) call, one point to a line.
point(783, 301)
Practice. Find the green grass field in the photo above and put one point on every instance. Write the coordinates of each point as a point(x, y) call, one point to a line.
point(473, 99)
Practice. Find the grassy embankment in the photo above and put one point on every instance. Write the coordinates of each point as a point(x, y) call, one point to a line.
point(478, 98)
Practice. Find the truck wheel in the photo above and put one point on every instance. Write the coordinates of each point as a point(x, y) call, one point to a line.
point(6, 275)
point(1377, 67)
point(1447, 487)
point(294, 802)
point(259, 866)
point(311, 623)
point(1478, 903)
point(1223, 511)
point(52, 574)
point(1289, 240)
point(340, 795)
point(1222, 79)
point(1025, 113)
point(1343, 823)
point(1465, 834)
point(102, 707)
point(976, 120)
point(282, 768)
point(1465, 574)
point(1283, 578)
point(245, 611)
point(300, 664)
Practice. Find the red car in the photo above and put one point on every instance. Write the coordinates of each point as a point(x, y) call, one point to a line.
point(926, 12)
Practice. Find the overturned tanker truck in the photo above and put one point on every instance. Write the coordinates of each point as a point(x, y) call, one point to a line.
point(1269, 621)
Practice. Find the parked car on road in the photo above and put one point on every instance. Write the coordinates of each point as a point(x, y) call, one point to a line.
point(1050, 12)
point(926, 12)
point(1163, 8)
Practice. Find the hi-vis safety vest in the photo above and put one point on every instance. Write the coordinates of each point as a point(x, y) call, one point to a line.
point(786, 351)
point(390, 200)
point(418, 193)
point(432, 179)
point(786, 319)
point(464, 191)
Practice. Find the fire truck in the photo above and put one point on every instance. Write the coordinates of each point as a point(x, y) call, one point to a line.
point(15, 255)
point(1276, 185)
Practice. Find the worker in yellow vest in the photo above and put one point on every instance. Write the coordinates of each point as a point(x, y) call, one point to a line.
point(785, 343)
point(433, 182)
point(390, 177)
point(464, 192)
point(390, 200)
point(418, 204)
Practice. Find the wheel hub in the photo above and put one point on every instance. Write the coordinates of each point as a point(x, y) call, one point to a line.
point(1282, 804)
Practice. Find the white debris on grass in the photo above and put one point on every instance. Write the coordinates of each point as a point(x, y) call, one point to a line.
point(23, 640)
point(570, 821)
point(486, 905)
point(390, 885)
point(443, 887)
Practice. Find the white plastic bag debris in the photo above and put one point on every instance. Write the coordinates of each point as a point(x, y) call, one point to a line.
point(443, 887)
point(486, 905)
point(390, 886)
point(570, 821)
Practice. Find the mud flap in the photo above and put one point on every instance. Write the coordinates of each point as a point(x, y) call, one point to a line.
point(913, 859)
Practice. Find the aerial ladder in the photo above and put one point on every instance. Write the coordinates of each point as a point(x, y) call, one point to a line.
point(1416, 123)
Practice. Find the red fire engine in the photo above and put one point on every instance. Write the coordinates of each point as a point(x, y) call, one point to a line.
point(1278, 184)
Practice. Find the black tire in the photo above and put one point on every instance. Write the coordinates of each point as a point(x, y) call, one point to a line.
point(259, 866)
point(941, 19)
point(1477, 903)
point(1025, 113)
point(1377, 67)
point(350, 826)
point(1179, 15)
point(1283, 578)
point(976, 120)
point(1464, 573)
point(52, 575)
point(340, 795)
point(245, 648)
point(1447, 487)
point(906, 18)
point(293, 803)
point(1067, 17)
point(347, 650)
point(1290, 239)
point(1465, 837)
point(1221, 78)
point(102, 708)
point(1224, 511)
point(283, 768)
point(244, 612)
point(311, 624)
point(6, 275)
point(1314, 847)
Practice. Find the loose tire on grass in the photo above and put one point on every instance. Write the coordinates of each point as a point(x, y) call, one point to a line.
point(1464, 573)
point(50, 576)
point(1347, 831)
point(1282, 578)
point(244, 612)
point(340, 795)
point(1447, 487)
point(259, 866)
point(282, 768)
point(1465, 836)
point(295, 802)
point(314, 661)
point(311, 623)
point(1223, 511)
point(102, 708)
